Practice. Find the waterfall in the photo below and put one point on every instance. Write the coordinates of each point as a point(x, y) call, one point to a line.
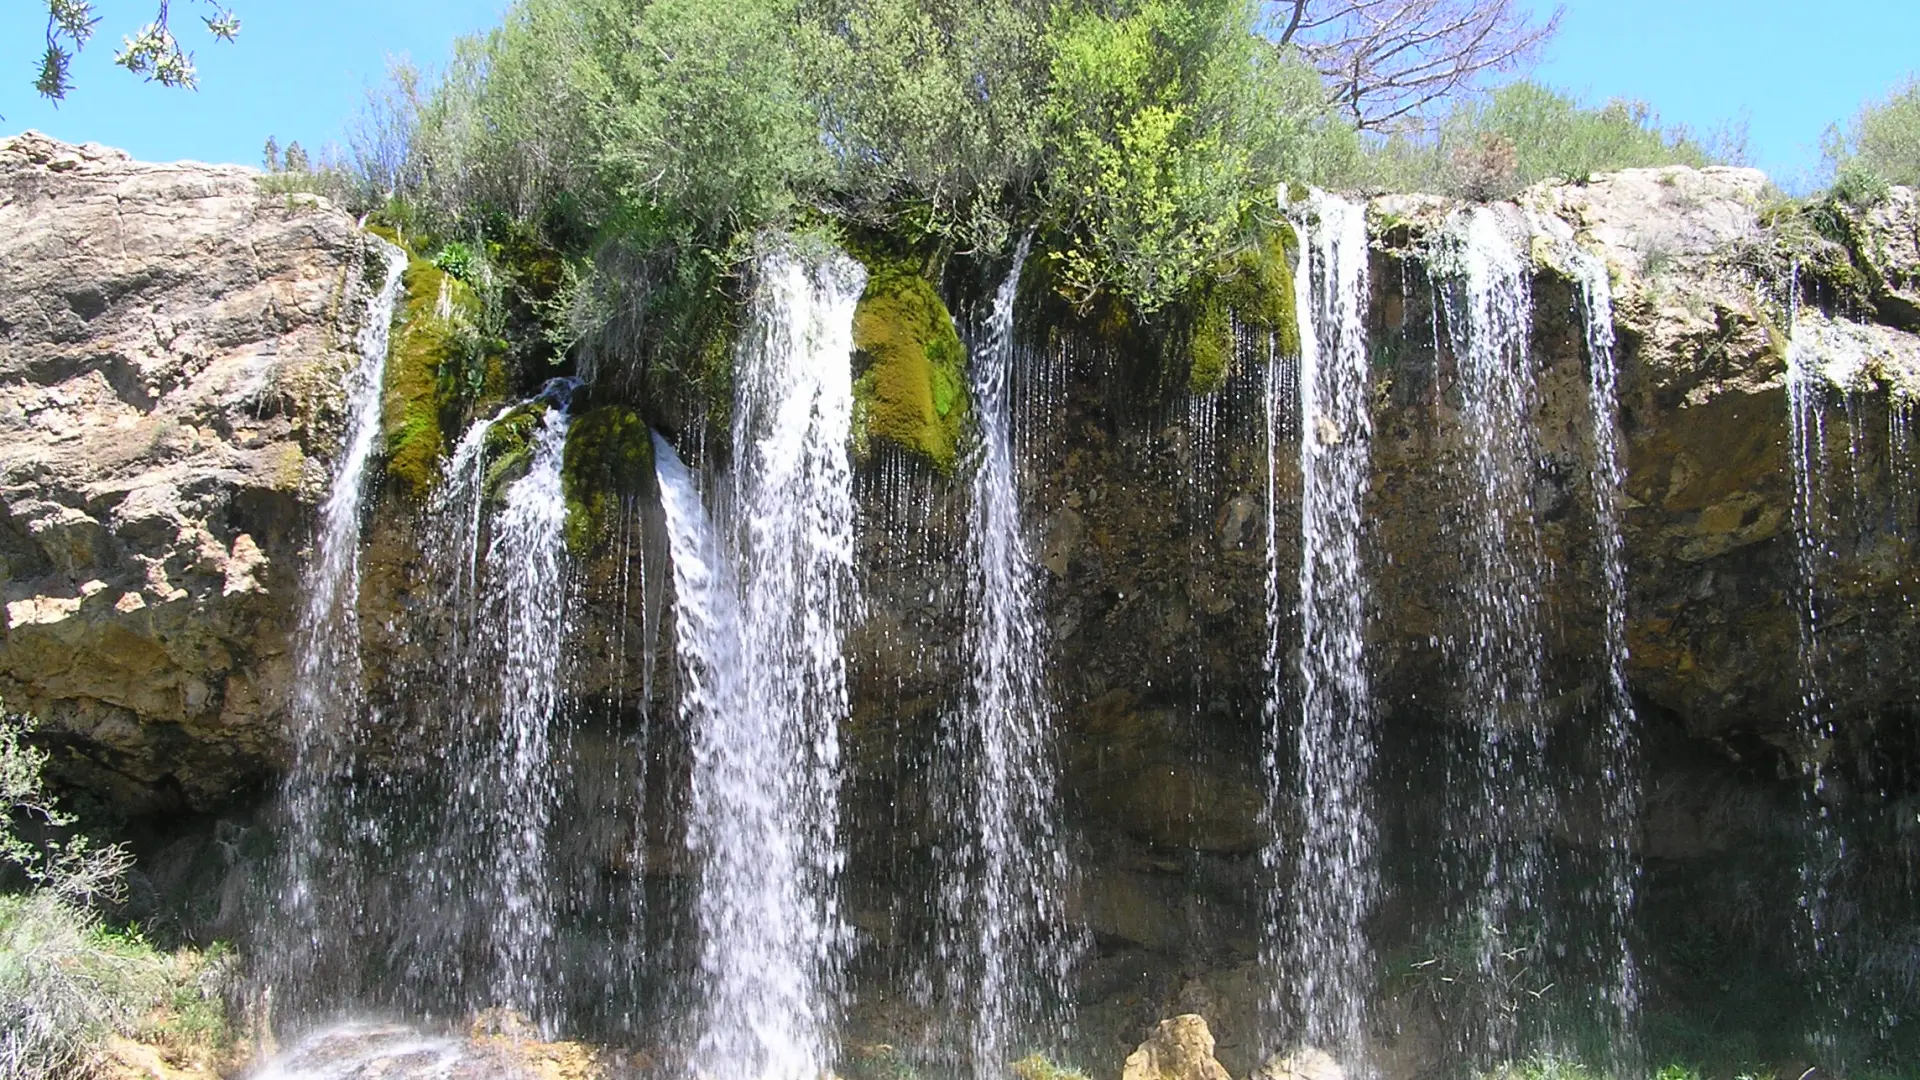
point(1001, 946)
point(1328, 962)
point(526, 570)
point(762, 603)
point(1812, 521)
point(1498, 657)
point(1620, 729)
point(475, 926)
point(327, 698)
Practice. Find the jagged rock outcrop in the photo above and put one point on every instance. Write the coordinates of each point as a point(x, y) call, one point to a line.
point(172, 345)
point(1180, 1048)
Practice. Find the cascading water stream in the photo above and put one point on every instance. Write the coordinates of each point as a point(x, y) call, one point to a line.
point(1002, 946)
point(1620, 732)
point(1500, 654)
point(327, 697)
point(476, 927)
point(526, 567)
point(1812, 519)
point(1326, 960)
point(761, 608)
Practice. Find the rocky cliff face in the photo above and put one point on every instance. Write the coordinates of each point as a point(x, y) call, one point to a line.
point(172, 345)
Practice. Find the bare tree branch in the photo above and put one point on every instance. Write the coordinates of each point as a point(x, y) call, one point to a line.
point(1387, 61)
point(1294, 21)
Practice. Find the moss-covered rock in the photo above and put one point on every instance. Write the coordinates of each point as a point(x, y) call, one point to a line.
point(911, 387)
point(1256, 287)
point(509, 446)
point(434, 355)
point(608, 461)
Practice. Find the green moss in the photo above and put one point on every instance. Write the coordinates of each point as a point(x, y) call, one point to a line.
point(432, 350)
point(608, 460)
point(911, 389)
point(1255, 286)
point(509, 447)
point(1210, 353)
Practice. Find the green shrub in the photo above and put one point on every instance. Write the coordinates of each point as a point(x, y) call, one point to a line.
point(1524, 133)
point(456, 258)
point(1883, 139)
point(1859, 186)
point(1139, 133)
point(932, 111)
point(66, 981)
point(1169, 122)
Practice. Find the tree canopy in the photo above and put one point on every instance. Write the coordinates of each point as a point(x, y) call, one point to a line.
point(644, 142)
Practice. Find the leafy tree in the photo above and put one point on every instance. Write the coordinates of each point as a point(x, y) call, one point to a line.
point(932, 108)
point(1883, 140)
point(270, 157)
point(296, 160)
point(1140, 132)
point(711, 116)
point(1168, 122)
point(152, 51)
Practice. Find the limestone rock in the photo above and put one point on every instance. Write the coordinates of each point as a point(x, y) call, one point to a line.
point(1889, 240)
point(172, 343)
point(1178, 1049)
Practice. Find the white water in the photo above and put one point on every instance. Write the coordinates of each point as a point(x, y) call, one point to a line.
point(1328, 962)
point(761, 609)
point(1002, 949)
point(526, 570)
point(327, 694)
point(1620, 733)
point(365, 1050)
point(1500, 654)
point(1812, 525)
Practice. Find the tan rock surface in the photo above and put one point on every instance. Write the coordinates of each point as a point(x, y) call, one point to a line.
point(172, 342)
point(1180, 1048)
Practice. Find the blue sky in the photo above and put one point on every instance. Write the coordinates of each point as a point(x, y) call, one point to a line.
point(299, 71)
point(300, 68)
point(1788, 66)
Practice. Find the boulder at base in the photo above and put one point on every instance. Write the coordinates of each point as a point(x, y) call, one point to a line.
point(1178, 1049)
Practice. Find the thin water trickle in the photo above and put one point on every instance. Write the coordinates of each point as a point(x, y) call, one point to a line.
point(1498, 653)
point(1002, 949)
point(762, 602)
point(477, 925)
point(1813, 530)
point(327, 696)
point(1620, 732)
point(1326, 961)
